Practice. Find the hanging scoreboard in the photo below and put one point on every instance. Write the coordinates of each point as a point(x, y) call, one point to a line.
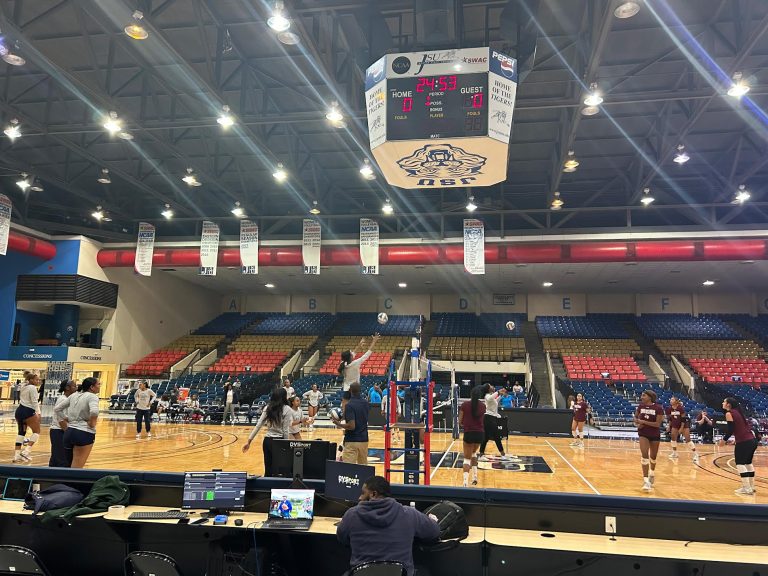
point(441, 119)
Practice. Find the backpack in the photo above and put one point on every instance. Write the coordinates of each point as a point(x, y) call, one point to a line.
point(52, 498)
point(106, 491)
point(451, 520)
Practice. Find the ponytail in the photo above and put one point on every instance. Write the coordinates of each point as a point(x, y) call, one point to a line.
point(346, 358)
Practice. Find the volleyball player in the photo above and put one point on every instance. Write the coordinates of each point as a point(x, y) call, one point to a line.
point(297, 418)
point(27, 415)
point(471, 416)
point(491, 420)
point(580, 409)
point(349, 368)
point(77, 415)
point(60, 457)
point(277, 416)
point(745, 444)
point(143, 398)
point(648, 418)
point(385, 413)
point(313, 398)
point(680, 427)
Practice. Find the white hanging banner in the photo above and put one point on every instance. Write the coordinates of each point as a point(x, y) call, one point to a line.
point(369, 246)
point(249, 247)
point(6, 208)
point(310, 246)
point(474, 246)
point(209, 248)
point(145, 249)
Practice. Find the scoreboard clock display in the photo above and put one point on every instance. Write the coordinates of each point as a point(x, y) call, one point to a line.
point(441, 119)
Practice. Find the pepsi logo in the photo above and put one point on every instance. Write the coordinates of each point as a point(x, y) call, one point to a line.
point(507, 68)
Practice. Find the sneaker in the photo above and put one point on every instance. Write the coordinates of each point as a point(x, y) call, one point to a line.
point(673, 456)
point(743, 491)
point(25, 457)
point(695, 457)
point(149, 435)
point(652, 480)
point(580, 444)
point(482, 458)
point(474, 482)
point(647, 486)
point(138, 436)
point(464, 483)
point(574, 443)
point(19, 459)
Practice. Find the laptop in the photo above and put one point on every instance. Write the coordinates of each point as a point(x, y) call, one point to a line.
point(17, 488)
point(290, 509)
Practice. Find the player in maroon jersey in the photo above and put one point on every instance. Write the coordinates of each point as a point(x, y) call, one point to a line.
point(580, 408)
point(648, 418)
point(744, 442)
point(680, 427)
point(471, 416)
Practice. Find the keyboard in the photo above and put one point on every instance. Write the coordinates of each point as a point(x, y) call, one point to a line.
point(168, 515)
point(287, 524)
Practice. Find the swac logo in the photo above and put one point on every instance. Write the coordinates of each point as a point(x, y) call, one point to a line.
point(506, 63)
point(443, 162)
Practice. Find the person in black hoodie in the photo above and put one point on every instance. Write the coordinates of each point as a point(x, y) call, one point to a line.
point(380, 528)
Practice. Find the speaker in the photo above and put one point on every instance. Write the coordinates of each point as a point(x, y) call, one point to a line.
point(96, 336)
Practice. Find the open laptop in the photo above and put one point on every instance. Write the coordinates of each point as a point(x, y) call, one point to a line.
point(17, 488)
point(290, 509)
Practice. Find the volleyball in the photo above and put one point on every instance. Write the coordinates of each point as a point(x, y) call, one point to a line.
point(510, 325)
point(383, 318)
point(335, 413)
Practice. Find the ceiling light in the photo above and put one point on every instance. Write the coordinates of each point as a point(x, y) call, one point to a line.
point(314, 210)
point(739, 87)
point(334, 115)
point(104, 177)
point(125, 135)
point(471, 206)
point(278, 21)
point(238, 210)
point(681, 157)
point(590, 110)
point(24, 182)
point(366, 170)
point(289, 38)
point(594, 98)
point(190, 179)
point(387, 208)
point(570, 163)
point(135, 30)
point(647, 199)
point(280, 174)
point(36, 186)
point(402, 285)
point(742, 195)
point(167, 213)
point(98, 214)
point(225, 119)
point(627, 9)
point(13, 131)
point(708, 283)
point(269, 285)
point(547, 284)
point(557, 203)
point(112, 124)
point(9, 57)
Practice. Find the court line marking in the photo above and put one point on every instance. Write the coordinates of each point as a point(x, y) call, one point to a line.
point(439, 462)
point(580, 475)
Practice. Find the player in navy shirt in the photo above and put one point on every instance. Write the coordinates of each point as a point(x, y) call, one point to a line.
point(355, 427)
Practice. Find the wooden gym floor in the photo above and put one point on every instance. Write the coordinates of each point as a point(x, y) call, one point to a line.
point(601, 467)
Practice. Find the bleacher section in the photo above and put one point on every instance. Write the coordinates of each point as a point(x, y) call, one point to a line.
point(476, 349)
point(710, 348)
point(590, 326)
point(377, 364)
point(192, 342)
point(267, 343)
point(156, 363)
point(464, 324)
point(685, 326)
point(258, 362)
point(723, 370)
point(756, 399)
point(308, 323)
point(229, 324)
point(633, 390)
point(758, 326)
point(385, 344)
point(558, 347)
point(593, 367)
point(366, 323)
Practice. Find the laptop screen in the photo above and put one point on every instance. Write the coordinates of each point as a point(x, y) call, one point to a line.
point(17, 488)
point(292, 504)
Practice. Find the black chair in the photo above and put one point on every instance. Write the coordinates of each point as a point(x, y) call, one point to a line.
point(379, 568)
point(19, 560)
point(150, 564)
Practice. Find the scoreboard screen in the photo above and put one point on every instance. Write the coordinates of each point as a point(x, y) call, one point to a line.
point(441, 106)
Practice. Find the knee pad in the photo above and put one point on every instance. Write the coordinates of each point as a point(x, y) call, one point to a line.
point(652, 461)
point(467, 462)
point(19, 439)
point(674, 443)
point(645, 461)
point(34, 437)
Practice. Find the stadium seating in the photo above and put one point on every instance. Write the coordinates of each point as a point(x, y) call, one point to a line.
point(156, 363)
point(315, 324)
point(756, 399)
point(385, 344)
point(710, 348)
point(558, 347)
point(366, 323)
point(590, 326)
point(476, 349)
point(268, 343)
point(758, 326)
point(377, 364)
point(465, 324)
point(239, 362)
point(229, 324)
point(724, 370)
point(603, 368)
point(192, 342)
point(685, 326)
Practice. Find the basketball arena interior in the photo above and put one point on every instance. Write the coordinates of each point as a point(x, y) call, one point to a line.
point(554, 206)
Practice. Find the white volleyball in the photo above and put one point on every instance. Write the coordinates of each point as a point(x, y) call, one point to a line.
point(383, 318)
point(510, 325)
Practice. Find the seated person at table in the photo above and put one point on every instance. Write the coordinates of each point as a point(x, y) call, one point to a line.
point(380, 528)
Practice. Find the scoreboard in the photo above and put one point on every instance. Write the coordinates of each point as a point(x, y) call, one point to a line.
point(441, 119)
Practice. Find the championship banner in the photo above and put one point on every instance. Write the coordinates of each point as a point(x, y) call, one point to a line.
point(249, 247)
point(310, 247)
point(145, 249)
point(369, 246)
point(474, 246)
point(209, 248)
point(5, 222)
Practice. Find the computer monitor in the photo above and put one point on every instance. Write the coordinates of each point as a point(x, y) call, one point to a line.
point(304, 459)
point(214, 491)
point(292, 503)
point(345, 481)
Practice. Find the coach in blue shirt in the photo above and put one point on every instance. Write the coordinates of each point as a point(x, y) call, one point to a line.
point(374, 396)
point(355, 428)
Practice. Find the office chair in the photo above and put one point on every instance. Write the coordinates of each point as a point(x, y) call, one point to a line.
point(19, 560)
point(150, 564)
point(379, 568)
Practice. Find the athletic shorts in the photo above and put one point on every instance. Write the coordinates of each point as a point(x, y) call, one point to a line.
point(744, 451)
point(23, 412)
point(474, 437)
point(75, 437)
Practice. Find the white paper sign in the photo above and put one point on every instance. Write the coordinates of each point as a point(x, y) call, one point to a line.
point(6, 208)
point(249, 247)
point(474, 246)
point(209, 248)
point(310, 247)
point(145, 249)
point(369, 246)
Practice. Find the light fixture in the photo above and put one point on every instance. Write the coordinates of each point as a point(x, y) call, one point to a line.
point(334, 115)
point(471, 206)
point(112, 124)
point(547, 284)
point(13, 131)
point(238, 210)
point(682, 156)
point(135, 30)
point(708, 283)
point(742, 195)
point(280, 174)
point(647, 199)
point(11, 58)
point(594, 98)
point(104, 177)
point(570, 163)
point(167, 213)
point(24, 182)
point(269, 285)
point(590, 110)
point(278, 21)
point(314, 210)
point(98, 213)
point(739, 87)
point(36, 186)
point(402, 285)
point(190, 179)
point(288, 38)
point(557, 203)
point(387, 208)
point(627, 9)
point(123, 135)
point(366, 170)
point(225, 119)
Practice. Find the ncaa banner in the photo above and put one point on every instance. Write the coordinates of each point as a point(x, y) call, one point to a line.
point(310, 246)
point(474, 246)
point(6, 207)
point(249, 247)
point(369, 246)
point(209, 248)
point(145, 249)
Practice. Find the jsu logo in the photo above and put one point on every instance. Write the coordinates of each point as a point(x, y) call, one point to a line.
point(442, 165)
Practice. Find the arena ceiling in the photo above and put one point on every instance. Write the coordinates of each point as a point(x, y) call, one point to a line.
point(664, 74)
